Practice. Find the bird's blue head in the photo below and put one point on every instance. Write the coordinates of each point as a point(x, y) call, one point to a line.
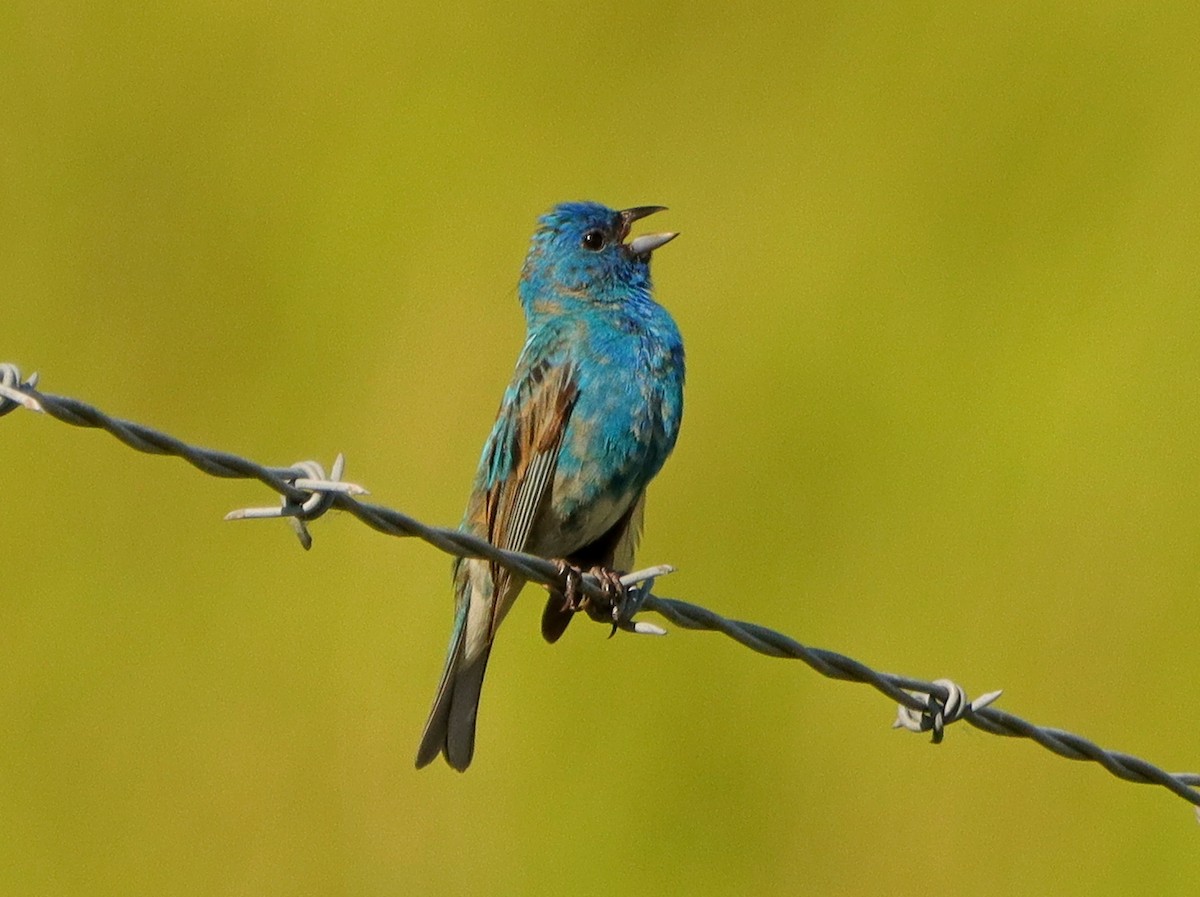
point(579, 254)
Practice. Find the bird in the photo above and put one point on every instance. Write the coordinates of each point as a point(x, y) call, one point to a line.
point(591, 414)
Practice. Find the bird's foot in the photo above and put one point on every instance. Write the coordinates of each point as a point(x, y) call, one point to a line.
point(605, 610)
point(609, 609)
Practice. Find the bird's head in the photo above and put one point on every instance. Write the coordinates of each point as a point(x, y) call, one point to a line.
point(581, 251)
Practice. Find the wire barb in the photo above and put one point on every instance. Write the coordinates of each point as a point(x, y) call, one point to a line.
point(320, 489)
point(938, 713)
point(13, 393)
point(307, 494)
point(635, 597)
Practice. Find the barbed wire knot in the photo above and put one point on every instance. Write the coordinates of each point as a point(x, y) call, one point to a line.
point(322, 491)
point(637, 588)
point(939, 712)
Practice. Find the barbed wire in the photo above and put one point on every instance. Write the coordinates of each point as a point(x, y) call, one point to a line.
point(307, 493)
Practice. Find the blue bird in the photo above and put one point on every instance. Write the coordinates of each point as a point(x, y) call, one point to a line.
point(591, 414)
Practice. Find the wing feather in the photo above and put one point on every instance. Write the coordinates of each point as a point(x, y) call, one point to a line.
point(534, 441)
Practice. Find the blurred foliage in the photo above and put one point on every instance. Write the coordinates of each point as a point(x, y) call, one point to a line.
point(938, 280)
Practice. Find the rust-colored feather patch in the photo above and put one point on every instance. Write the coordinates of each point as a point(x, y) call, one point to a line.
point(513, 504)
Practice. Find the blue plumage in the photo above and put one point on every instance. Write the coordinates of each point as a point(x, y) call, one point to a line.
point(591, 414)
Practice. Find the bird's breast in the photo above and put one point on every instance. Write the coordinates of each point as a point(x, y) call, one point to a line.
point(620, 432)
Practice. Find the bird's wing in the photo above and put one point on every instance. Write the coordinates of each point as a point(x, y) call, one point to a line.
point(529, 444)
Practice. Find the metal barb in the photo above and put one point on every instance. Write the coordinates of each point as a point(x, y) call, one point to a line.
point(925, 706)
point(637, 588)
point(321, 491)
point(938, 710)
point(13, 393)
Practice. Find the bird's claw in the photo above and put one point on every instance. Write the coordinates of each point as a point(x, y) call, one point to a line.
point(614, 598)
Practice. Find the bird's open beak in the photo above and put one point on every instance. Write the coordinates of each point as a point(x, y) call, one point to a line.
point(646, 244)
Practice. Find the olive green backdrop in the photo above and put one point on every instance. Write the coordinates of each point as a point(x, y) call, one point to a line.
point(938, 278)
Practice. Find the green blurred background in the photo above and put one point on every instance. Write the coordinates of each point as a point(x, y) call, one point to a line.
point(938, 280)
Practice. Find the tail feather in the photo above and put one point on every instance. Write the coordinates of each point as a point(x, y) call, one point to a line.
point(482, 605)
point(451, 726)
point(450, 729)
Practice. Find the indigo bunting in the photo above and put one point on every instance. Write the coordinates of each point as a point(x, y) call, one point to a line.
point(591, 414)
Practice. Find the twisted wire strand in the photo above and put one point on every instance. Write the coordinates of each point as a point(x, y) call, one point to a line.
point(978, 713)
point(307, 493)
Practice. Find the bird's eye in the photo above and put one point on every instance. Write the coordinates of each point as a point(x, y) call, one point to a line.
point(593, 240)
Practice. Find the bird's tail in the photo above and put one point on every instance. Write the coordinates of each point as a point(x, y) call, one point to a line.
point(450, 729)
